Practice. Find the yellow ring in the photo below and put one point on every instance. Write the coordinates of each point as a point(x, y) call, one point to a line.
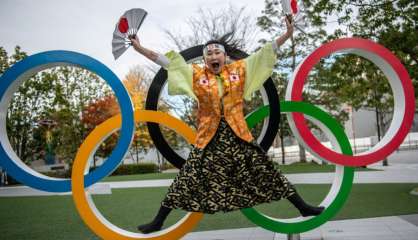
point(83, 202)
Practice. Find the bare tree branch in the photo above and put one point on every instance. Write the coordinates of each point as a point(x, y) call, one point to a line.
point(207, 25)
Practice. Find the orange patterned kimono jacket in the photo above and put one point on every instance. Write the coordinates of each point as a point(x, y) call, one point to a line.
point(205, 88)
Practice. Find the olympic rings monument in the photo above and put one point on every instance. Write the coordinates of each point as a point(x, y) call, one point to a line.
point(296, 110)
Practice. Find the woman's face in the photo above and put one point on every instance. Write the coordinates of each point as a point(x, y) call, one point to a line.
point(215, 60)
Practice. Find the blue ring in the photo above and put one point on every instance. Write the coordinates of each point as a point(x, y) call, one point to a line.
point(44, 60)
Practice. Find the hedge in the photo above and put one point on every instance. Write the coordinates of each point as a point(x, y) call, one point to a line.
point(126, 169)
point(130, 169)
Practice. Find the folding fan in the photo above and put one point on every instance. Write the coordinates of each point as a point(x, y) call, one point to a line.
point(127, 26)
point(297, 10)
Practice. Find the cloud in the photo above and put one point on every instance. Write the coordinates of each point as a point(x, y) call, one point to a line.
point(87, 26)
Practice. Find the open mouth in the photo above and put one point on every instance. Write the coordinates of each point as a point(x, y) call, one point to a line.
point(215, 65)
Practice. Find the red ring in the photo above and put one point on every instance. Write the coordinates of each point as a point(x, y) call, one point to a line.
point(408, 92)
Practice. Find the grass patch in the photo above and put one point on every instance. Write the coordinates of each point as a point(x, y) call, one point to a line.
point(56, 218)
point(286, 169)
point(312, 167)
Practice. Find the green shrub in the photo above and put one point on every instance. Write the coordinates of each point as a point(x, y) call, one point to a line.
point(130, 169)
point(167, 165)
point(127, 169)
point(58, 174)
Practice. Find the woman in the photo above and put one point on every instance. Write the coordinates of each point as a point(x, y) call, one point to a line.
point(226, 169)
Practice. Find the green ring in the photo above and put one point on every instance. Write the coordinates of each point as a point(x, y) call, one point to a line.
point(347, 180)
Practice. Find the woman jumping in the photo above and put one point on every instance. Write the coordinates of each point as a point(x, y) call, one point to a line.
point(226, 169)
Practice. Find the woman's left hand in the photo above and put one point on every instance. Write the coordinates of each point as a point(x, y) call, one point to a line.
point(289, 25)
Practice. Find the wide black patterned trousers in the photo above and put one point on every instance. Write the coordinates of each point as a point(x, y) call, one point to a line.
point(228, 174)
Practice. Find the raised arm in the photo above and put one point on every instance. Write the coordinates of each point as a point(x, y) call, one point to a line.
point(180, 74)
point(158, 58)
point(283, 38)
point(259, 65)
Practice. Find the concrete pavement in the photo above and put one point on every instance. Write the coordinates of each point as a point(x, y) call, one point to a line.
point(381, 228)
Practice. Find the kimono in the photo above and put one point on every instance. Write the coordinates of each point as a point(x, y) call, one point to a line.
point(226, 169)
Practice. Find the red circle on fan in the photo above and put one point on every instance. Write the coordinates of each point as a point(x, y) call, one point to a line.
point(123, 25)
point(294, 6)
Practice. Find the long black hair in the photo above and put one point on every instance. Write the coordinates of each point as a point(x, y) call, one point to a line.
point(232, 46)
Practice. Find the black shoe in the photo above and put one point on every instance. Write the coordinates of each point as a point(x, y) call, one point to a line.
point(157, 223)
point(311, 211)
point(304, 208)
point(150, 227)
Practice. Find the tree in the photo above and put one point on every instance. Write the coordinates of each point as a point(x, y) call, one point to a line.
point(135, 82)
point(272, 22)
point(57, 94)
point(207, 25)
point(336, 79)
point(17, 124)
point(284, 128)
point(72, 89)
point(96, 112)
point(99, 110)
point(390, 23)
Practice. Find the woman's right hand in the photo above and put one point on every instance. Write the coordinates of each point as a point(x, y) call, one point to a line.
point(135, 42)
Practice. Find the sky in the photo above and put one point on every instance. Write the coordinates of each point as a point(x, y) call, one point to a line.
point(87, 26)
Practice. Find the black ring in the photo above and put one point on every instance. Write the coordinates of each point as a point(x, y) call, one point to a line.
point(152, 104)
